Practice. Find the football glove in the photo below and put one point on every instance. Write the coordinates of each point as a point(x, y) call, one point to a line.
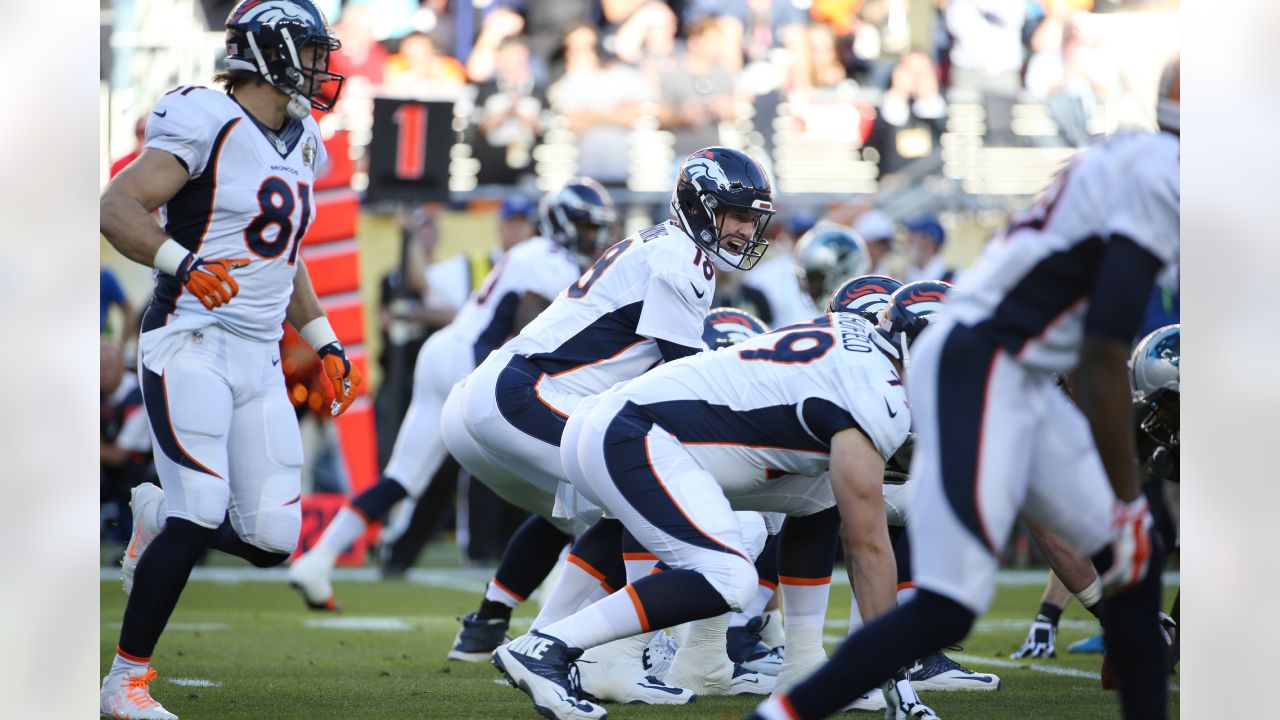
point(1123, 564)
point(344, 376)
point(210, 280)
point(1040, 640)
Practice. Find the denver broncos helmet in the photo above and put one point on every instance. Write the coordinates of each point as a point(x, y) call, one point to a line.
point(828, 255)
point(725, 326)
point(720, 178)
point(268, 37)
point(910, 310)
point(579, 216)
point(865, 295)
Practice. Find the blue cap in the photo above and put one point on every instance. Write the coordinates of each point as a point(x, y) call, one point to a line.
point(800, 221)
point(516, 205)
point(929, 225)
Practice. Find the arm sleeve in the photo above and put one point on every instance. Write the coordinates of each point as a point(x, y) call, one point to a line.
point(672, 310)
point(674, 351)
point(825, 418)
point(1120, 291)
point(179, 127)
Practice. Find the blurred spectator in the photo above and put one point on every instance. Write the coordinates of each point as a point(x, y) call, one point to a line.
point(1066, 73)
point(361, 59)
point(925, 236)
point(601, 104)
point(773, 24)
point(826, 69)
point(781, 300)
point(840, 15)
point(419, 69)
point(986, 50)
point(697, 93)
point(912, 115)
point(140, 138)
point(499, 25)
point(545, 20)
point(125, 441)
point(730, 16)
point(517, 220)
point(112, 295)
point(877, 230)
point(647, 34)
point(508, 116)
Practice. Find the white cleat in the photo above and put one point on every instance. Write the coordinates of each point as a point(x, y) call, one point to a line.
point(902, 703)
point(798, 665)
point(614, 672)
point(937, 672)
point(309, 575)
point(657, 656)
point(539, 666)
point(871, 701)
point(707, 670)
point(146, 501)
point(127, 696)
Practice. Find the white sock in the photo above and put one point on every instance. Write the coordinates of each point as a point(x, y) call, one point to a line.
point(638, 565)
point(708, 631)
point(753, 609)
point(122, 665)
point(801, 640)
point(905, 593)
point(616, 616)
point(772, 634)
point(569, 592)
point(776, 707)
point(494, 592)
point(347, 525)
point(805, 605)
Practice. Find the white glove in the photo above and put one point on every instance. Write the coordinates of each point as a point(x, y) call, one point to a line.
point(1040, 640)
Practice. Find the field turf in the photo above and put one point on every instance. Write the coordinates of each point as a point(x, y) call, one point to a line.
point(238, 649)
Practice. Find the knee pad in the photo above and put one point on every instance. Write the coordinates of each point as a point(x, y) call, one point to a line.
point(735, 579)
point(754, 532)
point(200, 498)
point(274, 530)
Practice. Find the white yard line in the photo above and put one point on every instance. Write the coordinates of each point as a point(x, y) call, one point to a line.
point(194, 682)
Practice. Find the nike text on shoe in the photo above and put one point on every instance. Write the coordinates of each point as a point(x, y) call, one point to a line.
point(901, 701)
point(539, 666)
point(145, 502)
point(939, 672)
point(127, 695)
point(309, 575)
point(478, 638)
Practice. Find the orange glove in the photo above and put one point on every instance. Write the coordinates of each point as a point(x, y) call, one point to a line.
point(210, 280)
point(344, 376)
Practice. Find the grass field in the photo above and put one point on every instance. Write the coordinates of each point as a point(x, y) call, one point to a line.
point(237, 649)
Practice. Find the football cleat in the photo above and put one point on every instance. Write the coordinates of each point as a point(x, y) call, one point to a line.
point(707, 670)
point(901, 701)
point(309, 575)
point(801, 661)
point(870, 701)
point(146, 501)
point(539, 665)
point(748, 682)
point(939, 672)
point(128, 695)
point(1089, 645)
point(657, 656)
point(746, 648)
point(478, 638)
point(615, 672)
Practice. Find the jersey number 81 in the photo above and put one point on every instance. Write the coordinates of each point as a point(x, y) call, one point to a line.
point(276, 202)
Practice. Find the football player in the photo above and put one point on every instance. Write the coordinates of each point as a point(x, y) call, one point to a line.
point(642, 302)
point(826, 256)
point(865, 295)
point(576, 218)
point(1062, 287)
point(754, 427)
point(232, 174)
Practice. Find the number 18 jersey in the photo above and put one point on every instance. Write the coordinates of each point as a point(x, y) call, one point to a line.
point(249, 196)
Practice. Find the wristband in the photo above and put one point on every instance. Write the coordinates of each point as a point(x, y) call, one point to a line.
point(318, 333)
point(1091, 595)
point(169, 257)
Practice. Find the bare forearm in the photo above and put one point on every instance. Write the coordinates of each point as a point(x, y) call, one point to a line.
point(130, 229)
point(1104, 397)
point(870, 561)
point(1073, 571)
point(304, 305)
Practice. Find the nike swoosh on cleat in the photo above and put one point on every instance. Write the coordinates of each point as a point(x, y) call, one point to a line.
point(663, 688)
point(133, 545)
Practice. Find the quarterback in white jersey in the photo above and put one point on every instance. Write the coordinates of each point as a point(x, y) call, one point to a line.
point(232, 175)
point(1063, 289)
point(672, 453)
point(520, 285)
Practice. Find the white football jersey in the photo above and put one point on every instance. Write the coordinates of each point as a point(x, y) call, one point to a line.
point(1030, 290)
point(776, 278)
point(768, 406)
point(654, 285)
point(536, 265)
point(249, 196)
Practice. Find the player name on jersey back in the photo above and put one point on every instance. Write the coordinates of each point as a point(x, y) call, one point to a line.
point(654, 285)
point(249, 196)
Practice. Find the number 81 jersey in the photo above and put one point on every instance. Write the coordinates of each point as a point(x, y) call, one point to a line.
point(249, 196)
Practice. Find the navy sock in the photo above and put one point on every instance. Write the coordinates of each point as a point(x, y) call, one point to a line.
point(531, 553)
point(807, 545)
point(902, 555)
point(1138, 651)
point(376, 502)
point(601, 548)
point(877, 651)
point(767, 563)
point(158, 582)
point(677, 596)
point(226, 539)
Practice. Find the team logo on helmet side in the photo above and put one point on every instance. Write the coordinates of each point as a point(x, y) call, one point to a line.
point(268, 12)
point(707, 167)
point(723, 327)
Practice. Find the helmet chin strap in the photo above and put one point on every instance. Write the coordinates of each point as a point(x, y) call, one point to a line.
point(299, 107)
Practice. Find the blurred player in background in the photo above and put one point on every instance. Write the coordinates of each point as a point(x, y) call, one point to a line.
point(520, 286)
point(233, 174)
point(1063, 287)
point(826, 256)
point(641, 303)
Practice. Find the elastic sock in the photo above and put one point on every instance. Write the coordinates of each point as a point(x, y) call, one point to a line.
point(531, 553)
point(158, 583)
point(873, 655)
point(376, 502)
point(1137, 647)
point(806, 555)
point(226, 539)
point(902, 556)
point(636, 558)
point(614, 617)
point(767, 563)
point(575, 584)
point(347, 525)
point(600, 547)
